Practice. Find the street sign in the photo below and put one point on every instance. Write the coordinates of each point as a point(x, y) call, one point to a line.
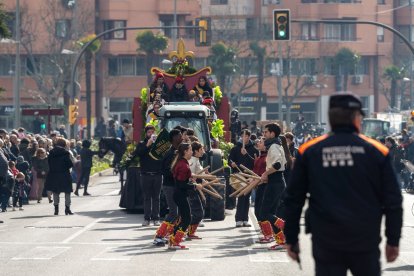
point(43, 111)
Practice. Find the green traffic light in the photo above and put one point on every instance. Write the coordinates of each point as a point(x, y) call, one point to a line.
point(282, 33)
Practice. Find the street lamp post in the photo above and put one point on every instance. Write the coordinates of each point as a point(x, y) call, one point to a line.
point(16, 86)
point(320, 86)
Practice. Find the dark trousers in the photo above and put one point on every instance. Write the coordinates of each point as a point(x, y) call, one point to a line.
point(259, 200)
point(181, 199)
point(329, 262)
point(84, 178)
point(242, 209)
point(196, 207)
point(4, 198)
point(19, 199)
point(271, 198)
point(151, 189)
point(172, 206)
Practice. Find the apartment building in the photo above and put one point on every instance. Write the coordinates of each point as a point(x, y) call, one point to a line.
point(119, 70)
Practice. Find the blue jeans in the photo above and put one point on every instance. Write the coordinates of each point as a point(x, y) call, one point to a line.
point(4, 198)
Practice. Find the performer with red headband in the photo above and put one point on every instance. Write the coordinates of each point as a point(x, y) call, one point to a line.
point(179, 91)
point(158, 87)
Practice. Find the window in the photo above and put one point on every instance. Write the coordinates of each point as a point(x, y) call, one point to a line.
point(62, 28)
point(127, 66)
point(189, 33)
point(219, 2)
point(309, 1)
point(271, 2)
point(362, 68)
point(167, 21)
point(112, 24)
point(380, 34)
point(309, 31)
point(340, 1)
point(328, 66)
point(405, 31)
point(41, 65)
point(251, 28)
point(340, 32)
point(6, 66)
point(381, 2)
point(300, 66)
point(11, 23)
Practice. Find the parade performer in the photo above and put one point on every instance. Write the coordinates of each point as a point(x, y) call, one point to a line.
point(158, 87)
point(275, 165)
point(243, 153)
point(259, 168)
point(197, 209)
point(182, 177)
point(167, 226)
point(203, 86)
point(179, 91)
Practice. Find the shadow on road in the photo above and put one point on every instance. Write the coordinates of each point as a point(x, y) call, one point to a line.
point(400, 268)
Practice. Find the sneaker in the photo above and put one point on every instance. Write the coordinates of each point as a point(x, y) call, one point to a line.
point(76, 194)
point(159, 242)
point(201, 224)
point(146, 223)
point(156, 223)
point(14, 209)
point(21, 209)
point(86, 194)
point(193, 237)
point(246, 224)
point(239, 223)
point(277, 247)
point(38, 201)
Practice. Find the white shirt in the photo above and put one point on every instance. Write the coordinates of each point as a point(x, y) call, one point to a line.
point(195, 165)
point(275, 154)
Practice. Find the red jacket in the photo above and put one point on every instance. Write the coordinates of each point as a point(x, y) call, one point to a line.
point(260, 164)
point(182, 170)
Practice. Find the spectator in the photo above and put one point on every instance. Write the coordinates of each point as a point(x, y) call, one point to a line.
point(41, 167)
point(100, 129)
point(19, 191)
point(58, 179)
point(86, 164)
point(62, 131)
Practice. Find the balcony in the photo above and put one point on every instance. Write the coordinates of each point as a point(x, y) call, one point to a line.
point(328, 10)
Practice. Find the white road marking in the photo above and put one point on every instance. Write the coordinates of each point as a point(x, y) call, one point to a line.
point(266, 256)
point(407, 257)
point(192, 255)
point(110, 254)
point(110, 212)
point(116, 192)
point(80, 232)
point(41, 253)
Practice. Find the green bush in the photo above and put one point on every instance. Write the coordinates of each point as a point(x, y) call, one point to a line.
point(100, 164)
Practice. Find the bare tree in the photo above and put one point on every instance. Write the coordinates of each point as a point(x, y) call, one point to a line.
point(51, 31)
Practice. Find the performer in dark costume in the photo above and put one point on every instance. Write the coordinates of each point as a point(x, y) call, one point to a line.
point(179, 92)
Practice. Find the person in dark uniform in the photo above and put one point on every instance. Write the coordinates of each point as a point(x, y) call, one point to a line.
point(86, 155)
point(350, 181)
point(151, 178)
point(167, 226)
point(235, 126)
point(243, 153)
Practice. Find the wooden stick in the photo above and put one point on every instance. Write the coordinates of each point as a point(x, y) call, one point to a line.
point(210, 183)
point(248, 170)
point(236, 192)
point(251, 187)
point(250, 176)
point(212, 194)
point(203, 197)
point(240, 178)
point(218, 170)
point(205, 176)
point(212, 189)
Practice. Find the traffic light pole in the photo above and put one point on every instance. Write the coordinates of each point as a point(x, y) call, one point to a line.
point(98, 36)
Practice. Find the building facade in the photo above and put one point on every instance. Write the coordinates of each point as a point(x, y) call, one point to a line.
point(305, 67)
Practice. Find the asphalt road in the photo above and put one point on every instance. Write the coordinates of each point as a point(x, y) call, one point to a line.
point(102, 239)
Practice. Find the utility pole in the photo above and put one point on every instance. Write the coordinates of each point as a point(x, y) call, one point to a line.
point(16, 87)
point(279, 81)
point(174, 30)
point(411, 56)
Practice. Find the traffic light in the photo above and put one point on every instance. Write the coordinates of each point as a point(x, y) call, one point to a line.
point(281, 24)
point(203, 33)
point(73, 112)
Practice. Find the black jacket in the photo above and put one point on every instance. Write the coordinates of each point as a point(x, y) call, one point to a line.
point(248, 159)
point(59, 179)
point(86, 157)
point(351, 184)
point(168, 179)
point(148, 164)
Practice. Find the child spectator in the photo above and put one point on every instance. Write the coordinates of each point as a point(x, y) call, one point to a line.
point(86, 164)
point(19, 191)
point(12, 168)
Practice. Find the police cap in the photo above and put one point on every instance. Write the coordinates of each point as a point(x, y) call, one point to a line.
point(346, 101)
